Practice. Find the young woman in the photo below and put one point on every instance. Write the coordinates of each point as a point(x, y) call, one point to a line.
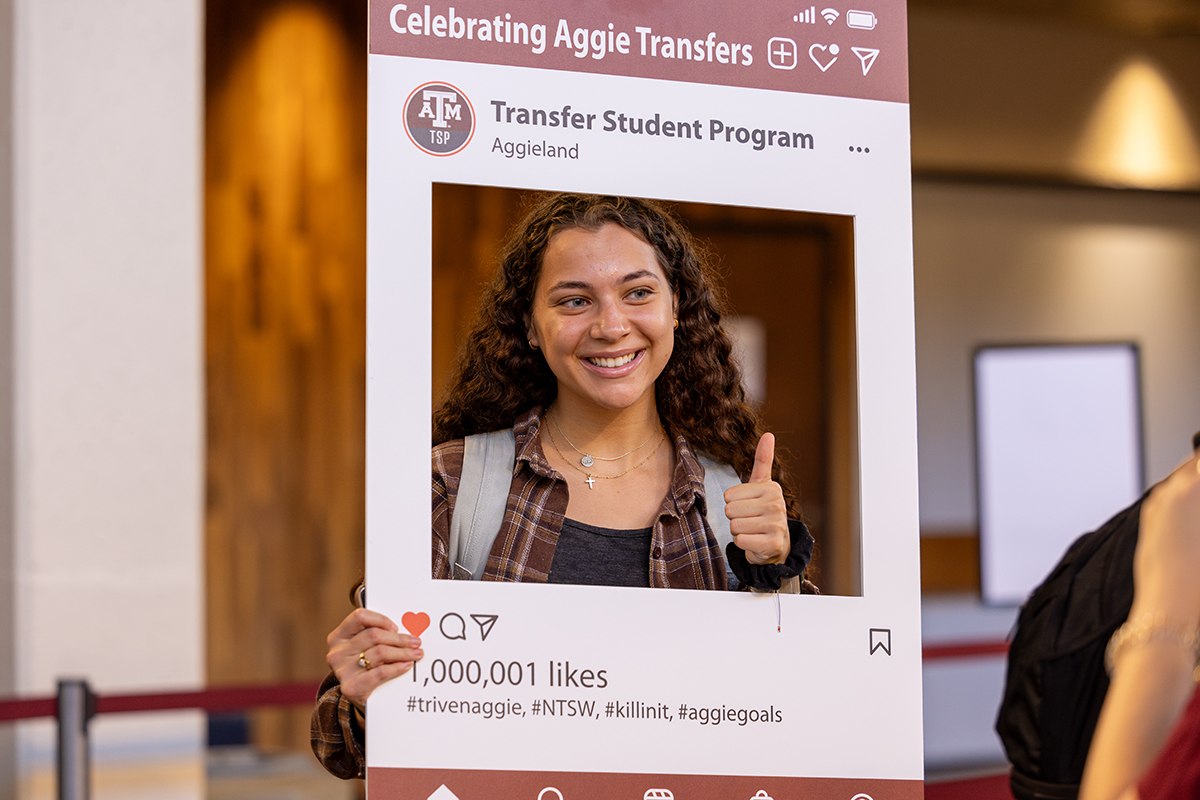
point(599, 344)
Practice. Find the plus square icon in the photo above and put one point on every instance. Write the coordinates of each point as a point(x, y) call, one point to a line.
point(781, 53)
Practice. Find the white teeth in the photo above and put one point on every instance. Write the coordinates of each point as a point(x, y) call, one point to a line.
point(613, 362)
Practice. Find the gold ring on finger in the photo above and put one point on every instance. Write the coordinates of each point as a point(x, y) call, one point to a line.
point(363, 661)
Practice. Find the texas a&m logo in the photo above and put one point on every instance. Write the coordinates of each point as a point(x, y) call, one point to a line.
point(439, 119)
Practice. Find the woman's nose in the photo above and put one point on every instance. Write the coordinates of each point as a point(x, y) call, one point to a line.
point(610, 323)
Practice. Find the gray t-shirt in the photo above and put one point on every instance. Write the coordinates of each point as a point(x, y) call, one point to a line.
point(596, 556)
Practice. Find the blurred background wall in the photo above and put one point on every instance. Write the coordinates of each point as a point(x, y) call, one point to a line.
point(182, 294)
point(1056, 160)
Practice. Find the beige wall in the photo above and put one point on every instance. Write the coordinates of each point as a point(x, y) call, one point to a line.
point(997, 101)
point(1002, 95)
point(103, 389)
point(1002, 265)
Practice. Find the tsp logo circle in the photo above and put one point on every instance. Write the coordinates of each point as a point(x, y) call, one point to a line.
point(439, 118)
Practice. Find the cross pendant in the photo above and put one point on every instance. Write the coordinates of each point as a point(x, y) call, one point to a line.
point(591, 482)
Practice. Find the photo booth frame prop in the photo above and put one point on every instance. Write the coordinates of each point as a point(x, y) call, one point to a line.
point(600, 692)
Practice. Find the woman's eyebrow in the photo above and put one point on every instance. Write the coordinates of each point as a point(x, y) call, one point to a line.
point(638, 275)
point(574, 285)
point(561, 285)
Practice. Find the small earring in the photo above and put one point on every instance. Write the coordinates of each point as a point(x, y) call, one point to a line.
point(677, 323)
point(532, 346)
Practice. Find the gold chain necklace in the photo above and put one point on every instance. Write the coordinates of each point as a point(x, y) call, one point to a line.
point(590, 480)
point(587, 459)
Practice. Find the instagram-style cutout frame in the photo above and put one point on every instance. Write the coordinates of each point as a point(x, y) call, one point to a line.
point(603, 692)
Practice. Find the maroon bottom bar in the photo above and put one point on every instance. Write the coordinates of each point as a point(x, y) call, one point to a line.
point(391, 783)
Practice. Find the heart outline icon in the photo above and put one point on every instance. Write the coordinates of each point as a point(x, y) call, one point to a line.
point(832, 50)
point(415, 622)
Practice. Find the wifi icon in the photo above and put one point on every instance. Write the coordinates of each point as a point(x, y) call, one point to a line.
point(830, 15)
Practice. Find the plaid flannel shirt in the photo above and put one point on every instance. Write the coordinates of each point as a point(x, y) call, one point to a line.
point(683, 552)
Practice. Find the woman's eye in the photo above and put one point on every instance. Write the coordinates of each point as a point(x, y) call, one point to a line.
point(573, 302)
point(640, 294)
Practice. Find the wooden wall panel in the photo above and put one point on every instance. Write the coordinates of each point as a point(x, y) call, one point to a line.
point(470, 224)
point(950, 563)
point(285, 256)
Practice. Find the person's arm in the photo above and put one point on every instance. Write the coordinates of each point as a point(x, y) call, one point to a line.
point(337, 732)
point(365, 650)
point(1153, 655)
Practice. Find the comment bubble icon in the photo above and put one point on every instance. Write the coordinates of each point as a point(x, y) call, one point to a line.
point(453, 626)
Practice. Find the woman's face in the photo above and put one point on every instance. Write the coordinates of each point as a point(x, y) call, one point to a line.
point(603, 316)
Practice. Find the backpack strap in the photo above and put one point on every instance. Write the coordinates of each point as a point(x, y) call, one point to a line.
point(717, 478)
point(482, 497)
point(483, 487)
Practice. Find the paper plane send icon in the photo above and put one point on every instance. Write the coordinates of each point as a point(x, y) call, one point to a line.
point(866, 57)
point(485, 623)
point(443, 793)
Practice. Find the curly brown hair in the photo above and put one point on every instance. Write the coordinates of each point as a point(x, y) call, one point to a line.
point(699, 393)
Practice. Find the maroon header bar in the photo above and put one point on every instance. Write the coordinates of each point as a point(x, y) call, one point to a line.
point(844, 48)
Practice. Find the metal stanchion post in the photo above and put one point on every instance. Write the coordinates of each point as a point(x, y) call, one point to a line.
point(76, 705)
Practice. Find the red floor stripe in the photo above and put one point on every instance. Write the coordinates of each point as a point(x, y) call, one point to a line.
point(987, 787)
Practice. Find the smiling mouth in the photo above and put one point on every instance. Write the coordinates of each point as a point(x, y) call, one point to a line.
point(610, 363)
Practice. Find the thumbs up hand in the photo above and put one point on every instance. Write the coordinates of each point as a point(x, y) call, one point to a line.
point(757, 512)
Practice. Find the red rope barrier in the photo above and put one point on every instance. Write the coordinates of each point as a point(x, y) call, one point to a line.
point(30, 708)
point(229, 698)
point(937, 652)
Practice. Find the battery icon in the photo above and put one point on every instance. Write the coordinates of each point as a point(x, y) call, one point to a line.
point(862, 20)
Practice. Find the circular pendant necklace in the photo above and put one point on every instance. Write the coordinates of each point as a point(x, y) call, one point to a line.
point(587, 459)
point(589, 478)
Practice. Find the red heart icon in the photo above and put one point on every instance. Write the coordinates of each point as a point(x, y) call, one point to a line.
point(415, 623)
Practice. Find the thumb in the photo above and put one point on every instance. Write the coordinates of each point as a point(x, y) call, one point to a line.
point(764, 458)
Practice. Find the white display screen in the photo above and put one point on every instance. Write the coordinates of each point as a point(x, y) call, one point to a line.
point(1059, 451)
